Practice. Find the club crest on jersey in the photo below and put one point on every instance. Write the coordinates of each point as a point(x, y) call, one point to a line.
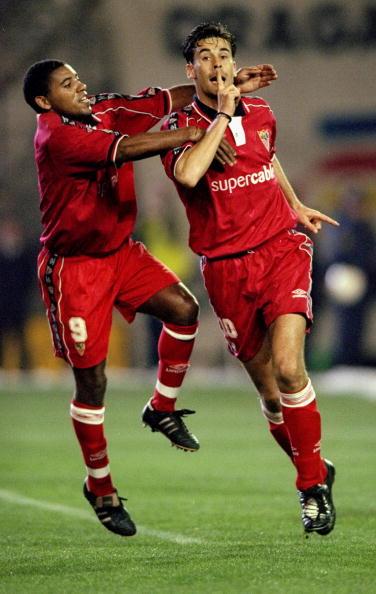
point(264, 136)
point(80, 348)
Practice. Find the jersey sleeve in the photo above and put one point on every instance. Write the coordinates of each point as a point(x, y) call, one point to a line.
point(271, 124)
point(273, 136)
point(78, 149)
point(134, 114)
point(169, 158)
point(265, 121)
point(273, 129)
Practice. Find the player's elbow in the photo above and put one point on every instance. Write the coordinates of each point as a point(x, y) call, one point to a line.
point(187, 181)
point(187, 178)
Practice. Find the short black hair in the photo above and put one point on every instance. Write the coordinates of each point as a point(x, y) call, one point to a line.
point(37, 79)
point(206, 31)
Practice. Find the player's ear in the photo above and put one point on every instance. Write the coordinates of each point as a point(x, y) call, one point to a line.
point(43, 102)
point(190, 71)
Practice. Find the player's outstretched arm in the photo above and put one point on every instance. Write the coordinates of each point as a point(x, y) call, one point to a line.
point(142, 146)
point(252, 78)
point(310, 218)
point(247, 80)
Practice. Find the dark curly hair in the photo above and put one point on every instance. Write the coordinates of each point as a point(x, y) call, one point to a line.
point(206, 31)
point(37, 79)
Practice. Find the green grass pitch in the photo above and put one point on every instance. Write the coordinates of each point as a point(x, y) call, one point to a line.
point(224, 520)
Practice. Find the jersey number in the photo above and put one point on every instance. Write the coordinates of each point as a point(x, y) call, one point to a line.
point(78, 330)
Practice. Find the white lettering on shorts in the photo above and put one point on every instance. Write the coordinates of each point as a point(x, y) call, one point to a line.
point(228, 328)
point(77, 326)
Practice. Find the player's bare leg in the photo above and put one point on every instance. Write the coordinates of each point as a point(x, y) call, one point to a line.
point(178, 309)
point(87, 412)
point(260, 370)
point(315, 476)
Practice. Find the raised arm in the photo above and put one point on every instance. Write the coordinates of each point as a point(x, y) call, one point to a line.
point(310, 218)
point(181, 96)
point(142, 146)
point(194, 162)
point(247, 80)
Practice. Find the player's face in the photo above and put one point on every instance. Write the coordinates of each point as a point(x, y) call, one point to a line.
point(209, 56)
point(67, 94)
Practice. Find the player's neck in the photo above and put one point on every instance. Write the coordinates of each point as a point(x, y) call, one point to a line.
point(87, 119)
point(207, 100)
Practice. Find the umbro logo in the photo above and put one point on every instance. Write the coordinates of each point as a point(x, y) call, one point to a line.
point(299, 293)
point(178, 368)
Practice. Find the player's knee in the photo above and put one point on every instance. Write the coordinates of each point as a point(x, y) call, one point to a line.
point(290, 375)
point(90, 385)
point(186, 309)
point(190, 310)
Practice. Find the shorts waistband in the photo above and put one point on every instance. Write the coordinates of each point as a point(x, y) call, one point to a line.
point(82, 257)
point(249, 250)
point(230, 256)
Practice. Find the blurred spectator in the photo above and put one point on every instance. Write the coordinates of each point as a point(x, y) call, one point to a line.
point(348, 256)
point(17, 276)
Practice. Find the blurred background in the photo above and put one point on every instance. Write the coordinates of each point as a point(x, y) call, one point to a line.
point(324, 101)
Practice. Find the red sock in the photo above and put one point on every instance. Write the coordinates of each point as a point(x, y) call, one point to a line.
point(278, 429)
point(88, 425)
point(303, 421)
point(282, 437)
point(174, 348)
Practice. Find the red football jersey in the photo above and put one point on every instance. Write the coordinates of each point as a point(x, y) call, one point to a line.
point(233, 208)
point(88, 205)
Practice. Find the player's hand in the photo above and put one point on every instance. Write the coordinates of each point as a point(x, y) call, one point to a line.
point(312, 219)
point(226, 154)
point(227, 96)
point(252, 78)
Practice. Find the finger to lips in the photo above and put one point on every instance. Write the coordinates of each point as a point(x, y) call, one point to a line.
point(219, 79)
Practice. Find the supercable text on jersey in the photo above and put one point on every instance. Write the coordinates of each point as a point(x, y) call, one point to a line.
point(229, 184)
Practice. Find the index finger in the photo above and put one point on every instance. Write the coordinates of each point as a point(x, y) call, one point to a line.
point(326, 219)
point(220, 82)
point(265, 66)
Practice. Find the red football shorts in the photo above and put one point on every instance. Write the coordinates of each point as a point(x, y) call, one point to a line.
point(248, 293)
point(80, 292)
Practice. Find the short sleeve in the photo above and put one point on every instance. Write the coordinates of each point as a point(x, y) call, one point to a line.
point(273, 137)
point(81, 149)
point(133, 114)
point(169, 158)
